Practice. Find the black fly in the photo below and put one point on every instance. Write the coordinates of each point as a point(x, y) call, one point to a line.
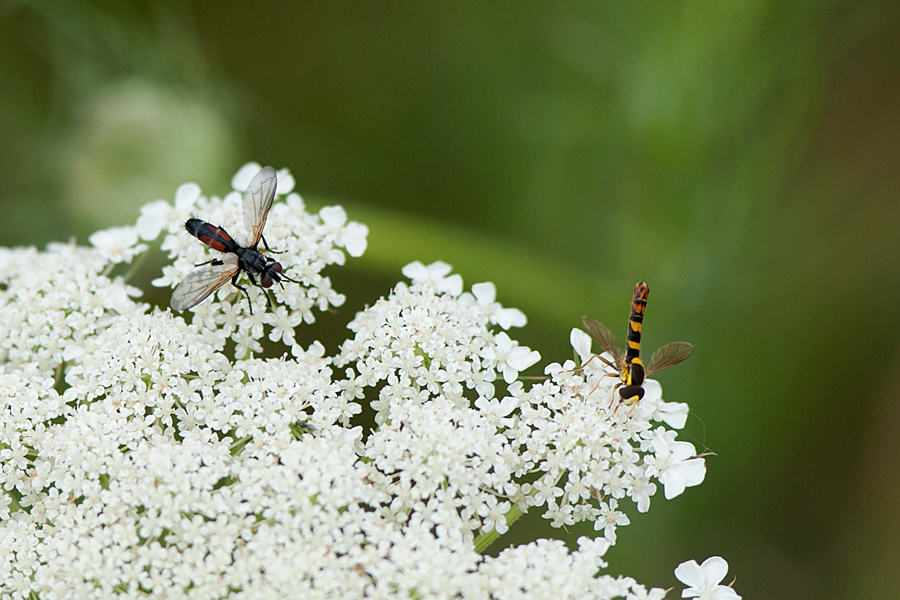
point(197, 286)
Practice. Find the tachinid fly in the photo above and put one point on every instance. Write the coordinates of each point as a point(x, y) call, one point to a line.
point(628, 363)
point(197, 286)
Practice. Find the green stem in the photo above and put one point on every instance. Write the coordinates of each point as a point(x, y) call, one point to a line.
point(238, 445)
point(486, 539)
point(135, 265)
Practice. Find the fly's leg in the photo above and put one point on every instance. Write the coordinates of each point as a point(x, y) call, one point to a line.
point(266, 244)
point(264, 291)
point(243, 289)
point(281, 275)
point(215, 262)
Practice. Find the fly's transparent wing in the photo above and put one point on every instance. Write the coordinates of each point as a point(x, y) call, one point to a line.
point(201, 283)
point(257, 202)
point(670, 354)
point(603, 336)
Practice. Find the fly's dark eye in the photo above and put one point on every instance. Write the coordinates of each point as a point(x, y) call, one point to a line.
point(276, 267)
point(266, 282)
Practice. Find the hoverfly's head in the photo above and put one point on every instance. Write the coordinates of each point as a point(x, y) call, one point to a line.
point(631, 393)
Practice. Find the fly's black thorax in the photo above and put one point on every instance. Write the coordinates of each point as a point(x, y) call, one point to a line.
point(251, 260)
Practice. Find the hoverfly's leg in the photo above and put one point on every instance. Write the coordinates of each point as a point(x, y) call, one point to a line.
point(598, 357)
point(613, 402)
point(285, 277)
point(586, 363)
point(600, 379)
point(243, 289)
point(266, 244)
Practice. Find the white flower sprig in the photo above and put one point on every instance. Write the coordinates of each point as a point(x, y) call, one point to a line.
point(140, 460)
point(306, 244)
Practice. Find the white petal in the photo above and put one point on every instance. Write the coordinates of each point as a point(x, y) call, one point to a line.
point(674, 414)
point(581, 342)
point(485, 292)
point(355, 238)
point(715, 568)
point(186, 196)
point(415, 271)
point(452, 285)
point(673, 483)
point(723, 592)
point(693, 471)
point(334, 216)
point(73, 351)
point(285, 182)
point(689, 573)
point(523, 357)
point(295, 202)
point(242, 178)
point(507, 405)
point(511, 317)
point(439, 268)
point(681, 451)
point(152, 219)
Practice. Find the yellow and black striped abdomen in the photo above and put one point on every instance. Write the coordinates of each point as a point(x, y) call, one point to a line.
point(638, 304)
point(633, 371)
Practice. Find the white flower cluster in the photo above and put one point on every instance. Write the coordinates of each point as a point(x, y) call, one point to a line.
point(138, 460)
point(456, 456)
point(305, 243)
point(54, 300)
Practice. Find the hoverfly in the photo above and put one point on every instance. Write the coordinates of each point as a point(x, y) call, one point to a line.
point(197, 286)
point(628, 364)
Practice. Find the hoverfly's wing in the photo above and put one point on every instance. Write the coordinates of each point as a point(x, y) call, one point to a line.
point(201, 283)
point(603, 336)
point(257, 202)
point(670, 354)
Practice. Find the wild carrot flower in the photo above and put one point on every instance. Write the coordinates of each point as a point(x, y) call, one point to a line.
point(148, 454)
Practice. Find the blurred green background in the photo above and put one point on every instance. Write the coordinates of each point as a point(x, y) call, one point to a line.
point(741, 157)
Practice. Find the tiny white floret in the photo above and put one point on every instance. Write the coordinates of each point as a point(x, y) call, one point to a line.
point(703, 581)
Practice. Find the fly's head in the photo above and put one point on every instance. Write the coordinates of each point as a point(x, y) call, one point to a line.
point(271, 275)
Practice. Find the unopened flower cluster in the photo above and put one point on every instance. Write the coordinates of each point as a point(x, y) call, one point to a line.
point(140, 460)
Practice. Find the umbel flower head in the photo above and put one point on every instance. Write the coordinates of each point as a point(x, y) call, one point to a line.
point(140, 458)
